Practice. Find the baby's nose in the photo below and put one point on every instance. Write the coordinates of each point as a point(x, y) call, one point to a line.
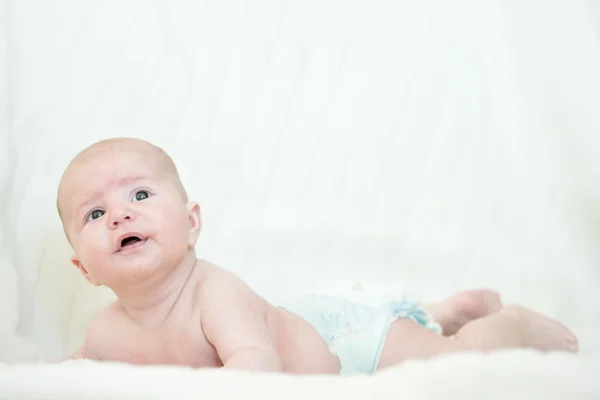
point(120, 216)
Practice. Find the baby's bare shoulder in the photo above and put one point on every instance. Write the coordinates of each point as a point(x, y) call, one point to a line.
point(102, 330)
point(222, 293)
point(217, 282)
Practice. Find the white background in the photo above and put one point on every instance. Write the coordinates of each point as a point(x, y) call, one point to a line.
point(424, 146)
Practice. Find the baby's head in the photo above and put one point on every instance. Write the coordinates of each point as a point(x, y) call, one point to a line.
point(126, 212)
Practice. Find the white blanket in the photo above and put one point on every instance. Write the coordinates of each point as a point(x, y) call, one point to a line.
point(422, 147)
point(464, 376)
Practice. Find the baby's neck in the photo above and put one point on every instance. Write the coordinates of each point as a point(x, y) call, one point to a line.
point(150, 303)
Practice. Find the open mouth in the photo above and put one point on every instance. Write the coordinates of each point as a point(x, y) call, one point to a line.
point(131, 242)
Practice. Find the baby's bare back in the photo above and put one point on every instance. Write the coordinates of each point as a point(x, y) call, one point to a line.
point(181, 339)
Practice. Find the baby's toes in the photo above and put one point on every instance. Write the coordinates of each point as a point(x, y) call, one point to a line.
point(570, 336)
point(573, 347)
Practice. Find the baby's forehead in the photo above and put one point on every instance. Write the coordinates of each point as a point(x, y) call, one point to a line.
point(92, 172)
point(129, 157)
point(112, 168)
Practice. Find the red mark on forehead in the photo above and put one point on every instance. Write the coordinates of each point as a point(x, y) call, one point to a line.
point(98, 192)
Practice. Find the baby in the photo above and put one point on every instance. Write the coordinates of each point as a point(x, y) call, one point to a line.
point(127, 216)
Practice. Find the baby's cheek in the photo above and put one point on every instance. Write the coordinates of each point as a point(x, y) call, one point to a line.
point(175, 225)
point(94, 252)
point(173, 235)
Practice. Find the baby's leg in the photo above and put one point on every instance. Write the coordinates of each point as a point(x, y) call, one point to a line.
point(454, 312)
point(512, 327)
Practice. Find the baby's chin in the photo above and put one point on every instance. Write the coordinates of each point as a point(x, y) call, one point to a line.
point(132, 273)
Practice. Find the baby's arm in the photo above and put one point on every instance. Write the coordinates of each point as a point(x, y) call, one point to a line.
point(234, 320)
point(96, 334)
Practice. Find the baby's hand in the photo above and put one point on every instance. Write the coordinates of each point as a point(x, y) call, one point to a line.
point(254, 359)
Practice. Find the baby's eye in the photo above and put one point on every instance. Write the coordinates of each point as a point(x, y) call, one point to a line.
point(95, 214)
point(141, 195)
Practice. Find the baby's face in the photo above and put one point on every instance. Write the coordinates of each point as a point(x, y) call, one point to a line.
point(125, 217)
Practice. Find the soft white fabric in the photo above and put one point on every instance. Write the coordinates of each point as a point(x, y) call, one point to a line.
point(423, 147)
point(492, 377)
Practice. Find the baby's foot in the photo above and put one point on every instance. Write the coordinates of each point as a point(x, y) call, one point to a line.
point(454, 312)
point(543, 333)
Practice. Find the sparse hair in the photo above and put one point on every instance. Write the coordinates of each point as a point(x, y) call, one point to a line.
point(164, 161)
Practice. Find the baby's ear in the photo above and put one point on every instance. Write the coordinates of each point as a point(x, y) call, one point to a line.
point(195, 220)
point(84, 271)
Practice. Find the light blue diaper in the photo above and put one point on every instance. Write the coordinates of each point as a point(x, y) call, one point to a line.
point(356, 332)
